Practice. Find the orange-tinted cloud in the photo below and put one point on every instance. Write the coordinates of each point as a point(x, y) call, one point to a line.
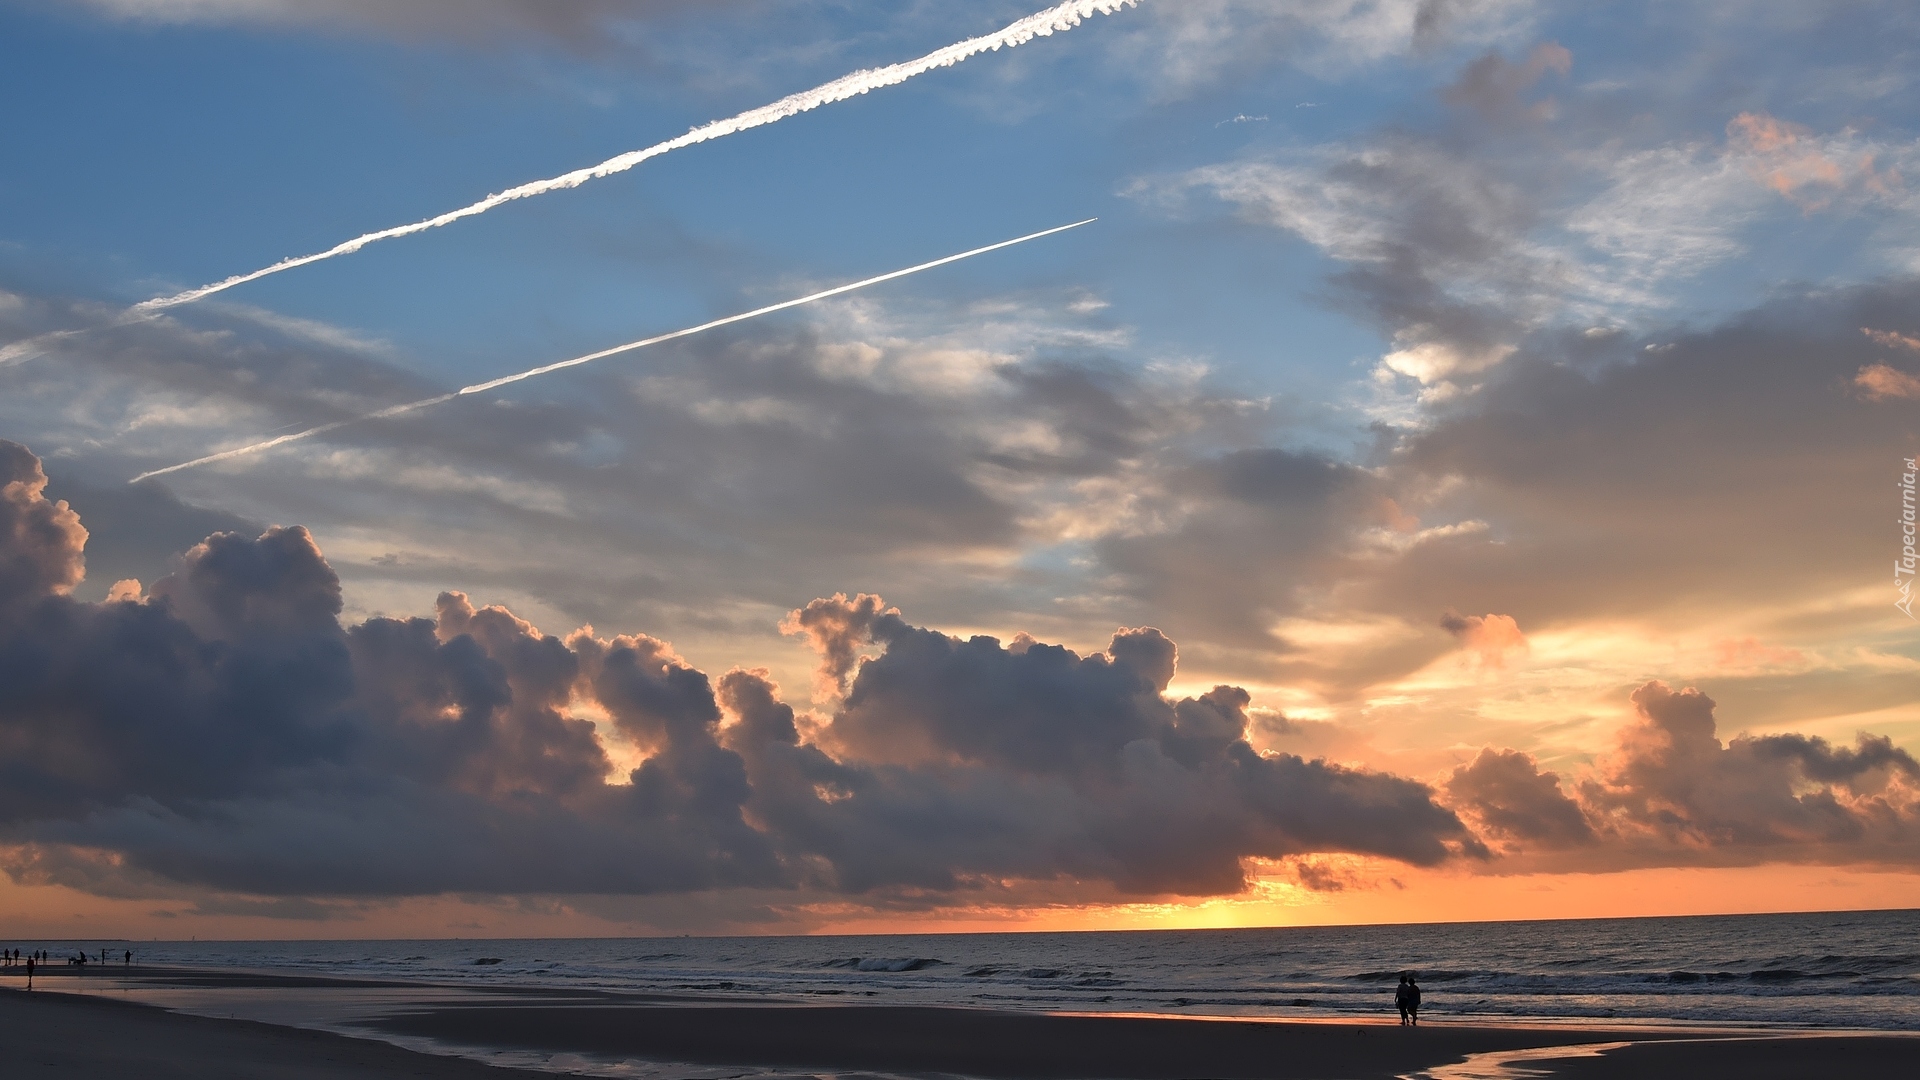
point(1891, 339)
point(1750, 652)
point(1674, 788)
point(1488, 637)
point(1674, 794)
point(1806, 169)
point(40, 540)
point(1881, 382)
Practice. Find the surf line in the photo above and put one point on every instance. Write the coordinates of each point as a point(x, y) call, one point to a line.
point(1057, 19)
point(505, 380)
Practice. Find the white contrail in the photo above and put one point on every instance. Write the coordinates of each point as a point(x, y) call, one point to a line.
point(493, 384)
point(1059, 18)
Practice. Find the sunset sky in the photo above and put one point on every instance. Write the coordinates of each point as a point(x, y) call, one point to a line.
point(1465, 472)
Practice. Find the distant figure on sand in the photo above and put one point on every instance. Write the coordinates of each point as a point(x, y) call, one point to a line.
point(29, 972)
point(1400, 997)
point(1409, 999)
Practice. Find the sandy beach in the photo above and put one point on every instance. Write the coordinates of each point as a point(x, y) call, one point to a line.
point(60, 1034)
point(49, 1035)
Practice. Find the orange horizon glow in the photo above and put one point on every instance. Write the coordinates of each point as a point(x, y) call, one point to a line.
point(53, 912)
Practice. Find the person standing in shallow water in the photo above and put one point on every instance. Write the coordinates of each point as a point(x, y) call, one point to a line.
point(1401, 998)
point(1413, 1001)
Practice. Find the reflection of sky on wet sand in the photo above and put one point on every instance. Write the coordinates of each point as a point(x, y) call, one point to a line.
point(347, 1010)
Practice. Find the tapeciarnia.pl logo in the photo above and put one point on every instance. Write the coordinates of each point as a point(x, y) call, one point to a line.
point(1903, 567)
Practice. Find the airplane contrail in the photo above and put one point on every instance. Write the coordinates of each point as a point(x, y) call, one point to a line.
point(1059, 18)
point(494, 384)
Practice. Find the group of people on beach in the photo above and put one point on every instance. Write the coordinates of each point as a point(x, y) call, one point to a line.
point(38, 959)
point(34, 959)
point(1407, 999)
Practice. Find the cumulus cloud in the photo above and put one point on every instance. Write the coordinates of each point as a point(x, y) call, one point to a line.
point(1674, 785)
point(227, 730)
point(1673, 793)
point(40, 541)
point(1488, 637)
point(1513, 800)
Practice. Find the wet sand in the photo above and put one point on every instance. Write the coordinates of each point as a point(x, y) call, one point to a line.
point(1028, 1046)
point(57, 1035)
point(53, 1036)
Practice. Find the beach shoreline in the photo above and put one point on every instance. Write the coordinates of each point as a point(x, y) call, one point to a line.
point(545, 1030)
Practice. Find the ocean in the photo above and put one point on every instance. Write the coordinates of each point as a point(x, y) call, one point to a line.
point(1835, 971)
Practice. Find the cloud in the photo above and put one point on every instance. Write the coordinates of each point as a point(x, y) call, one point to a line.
point(1435, 248)
point(1196, 43)
point(1497, 87)
point(1891, 339)
point(1516, 213)
point(1805, 169)
point(694, 492)
point(1880, 382)
point(576, 22)
point(1673, 794)
point(1488, 637)
point(1505, 791)
point(228, 731)
point(40, 541)
point(1570, 491)
point(138, 533)
point(1675, 788)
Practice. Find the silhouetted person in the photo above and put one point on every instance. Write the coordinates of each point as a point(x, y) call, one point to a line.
point(129, 960)
point(1402, 999)
point(29, 972)
point(1413, 1001)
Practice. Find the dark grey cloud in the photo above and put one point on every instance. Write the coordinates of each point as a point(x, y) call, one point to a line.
point(1626, 469)
point(228, 731)
point(1152, 794)
point(694, 490)
point(1515, 801)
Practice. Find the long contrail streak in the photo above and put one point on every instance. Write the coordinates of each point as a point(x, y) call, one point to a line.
point(494, 384)
point(1055, 19)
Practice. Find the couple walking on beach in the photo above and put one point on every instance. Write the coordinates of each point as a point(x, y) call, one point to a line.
point(1407, 1000)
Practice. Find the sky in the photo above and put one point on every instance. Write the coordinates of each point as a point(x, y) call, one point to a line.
point(1466, 471)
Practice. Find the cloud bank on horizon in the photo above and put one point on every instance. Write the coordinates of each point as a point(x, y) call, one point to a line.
point(224, 730)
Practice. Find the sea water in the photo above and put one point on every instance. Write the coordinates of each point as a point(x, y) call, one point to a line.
point(1835, 970)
